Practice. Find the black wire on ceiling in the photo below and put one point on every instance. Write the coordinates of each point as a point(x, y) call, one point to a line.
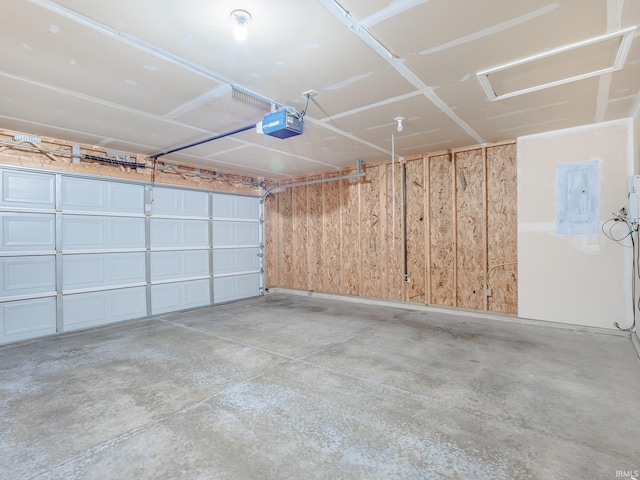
point(200, 142)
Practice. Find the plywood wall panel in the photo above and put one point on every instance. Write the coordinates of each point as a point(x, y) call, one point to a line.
point(351, 234)
point(332, 244)
point(300, 239)
point(285, 253)
point(347, 237)
point(502, 228)
point(415, 287)
point(470, 231)
point(393, 233)
point(315, 228)
point(271, 234)
point(442, 281)
point(371, 233)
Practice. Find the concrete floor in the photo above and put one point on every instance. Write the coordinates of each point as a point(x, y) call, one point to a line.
point(288, 387)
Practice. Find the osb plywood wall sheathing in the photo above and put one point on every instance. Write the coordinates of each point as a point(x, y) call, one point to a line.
point(348, 237)
point(272, 232)
point(57, 154)
point(502, 229)
point(471, 223)
point(315, 237)
point(332, 237)
point(442, 220)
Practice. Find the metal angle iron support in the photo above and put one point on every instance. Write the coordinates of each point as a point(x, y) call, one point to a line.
point(359, 173)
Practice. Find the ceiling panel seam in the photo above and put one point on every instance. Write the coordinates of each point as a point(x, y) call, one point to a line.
point(345, 134)
point(358, 29)
point(393, 9)
point(131, 40)
point(99, 101)
point(491, 30)
point(370, 106)
point(614, 22)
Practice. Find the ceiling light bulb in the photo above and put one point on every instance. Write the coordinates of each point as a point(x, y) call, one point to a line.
point(240, 32)
point(399, 120)
point(242, 18)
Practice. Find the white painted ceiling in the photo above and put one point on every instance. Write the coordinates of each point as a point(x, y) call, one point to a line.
point(147, 76)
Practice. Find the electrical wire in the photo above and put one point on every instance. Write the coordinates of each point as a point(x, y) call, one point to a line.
point(613, 222)
point(631, 229)
point(635, 271)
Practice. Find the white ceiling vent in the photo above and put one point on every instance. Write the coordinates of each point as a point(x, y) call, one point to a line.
point(588, 58)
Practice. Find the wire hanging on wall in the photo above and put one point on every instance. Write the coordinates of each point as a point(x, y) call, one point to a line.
point(629, 231)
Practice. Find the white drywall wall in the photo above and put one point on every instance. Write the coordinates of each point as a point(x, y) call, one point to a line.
point(575, 279)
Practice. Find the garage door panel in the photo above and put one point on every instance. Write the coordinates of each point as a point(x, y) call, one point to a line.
point(165, 298)
point(100, 308)
point(171, 233)
point(28, 232)
point(224, 261)
point(27, 275)
point(165, 233)
point(126, 267)
point(224, 289)
point(125, 198)
point(196, 233)
point(197, 293)
point(102, 270)
point(129, 303)
point(80, 232)
point(248, 285)
point(27, 319)
point(165, 265)
point(223, 233)
point(81, 194)
point(248, 234)
point(235, 207)
point(168, 201)
point(27, 190)
point(222, 205)
point(227, 289)
point(247, 207)
point(125, 232)
point(179, 264)
point(235, 260)
point(248, 259)
point(196, 262)
point(170, 297)
point(235, 233)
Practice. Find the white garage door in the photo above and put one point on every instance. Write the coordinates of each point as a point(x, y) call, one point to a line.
point(237, 258)
point(103, 252)
point(180, 250)
point(27, 255)
point(80, 252)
